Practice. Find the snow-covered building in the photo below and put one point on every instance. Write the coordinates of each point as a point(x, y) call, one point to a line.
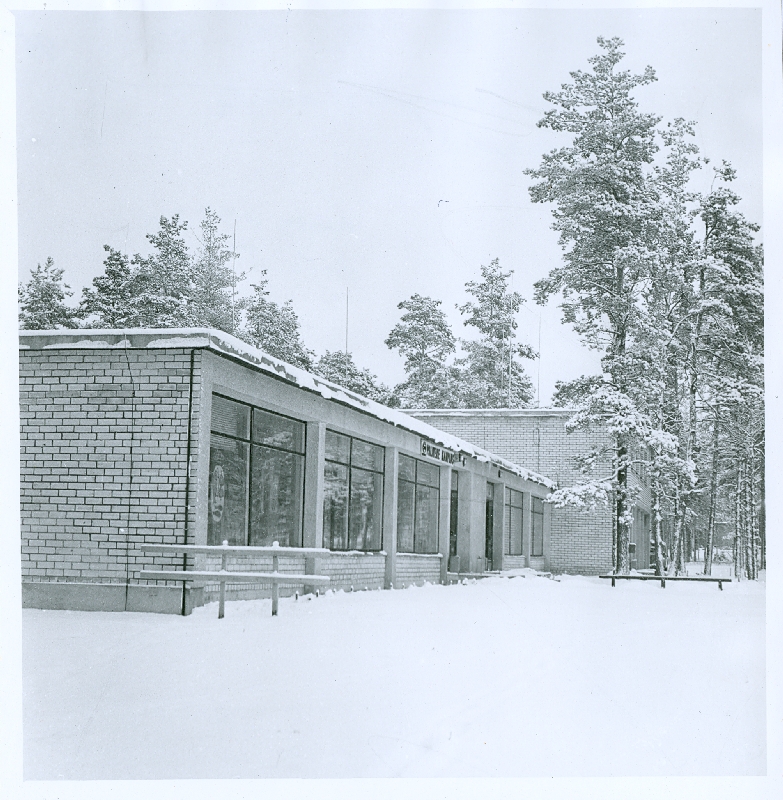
point(580, 540)
point(144, 437)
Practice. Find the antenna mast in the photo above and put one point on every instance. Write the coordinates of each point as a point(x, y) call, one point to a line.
point(234, 282)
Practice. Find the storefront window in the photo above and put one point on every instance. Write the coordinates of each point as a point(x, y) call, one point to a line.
point(228, 488)
point(537, 532)
point(514, 522)
point(256, 482)
point(353, 493)
point(418, 503)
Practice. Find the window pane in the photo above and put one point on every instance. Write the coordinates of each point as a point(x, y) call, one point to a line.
point(515, 531)
point(367, 456)
point(366, 510)
point(537, 532)
point(335, 506)
point(405, 500)
point(230, 417)
point(428, 474)
point(454, 480)
point(276, 498)
point(228, 463)
point(338, 447)
point(426, 537)
point(407, 470)
point(277, 431)
point(514, 498)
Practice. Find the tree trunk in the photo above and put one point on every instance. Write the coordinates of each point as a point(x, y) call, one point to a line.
point(710, 543)
point(656, 526)
point(622, 565)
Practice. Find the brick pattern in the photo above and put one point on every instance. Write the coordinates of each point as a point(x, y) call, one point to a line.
point(104, 460)
point(353, 569)
point(417, 570)
point(581, 541)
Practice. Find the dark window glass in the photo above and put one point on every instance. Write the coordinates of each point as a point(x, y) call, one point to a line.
point(537, 532)
point(366, 509)
point(427, 474)
point(406, 496)
point(353, 498)
point(228, 490)
point(338, 447)
point(426, 531)
point(407, 470)
point(513, 514)
point(277, 481)
point(418, 503)
point(261, 503)
point(514, 531)
point(335, 506)
point(367, 456)
point(230, 418)
point(454, 516)
point(276, 431)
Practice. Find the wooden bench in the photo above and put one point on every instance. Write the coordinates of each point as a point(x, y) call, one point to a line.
point(664, 578)
point(223, 576)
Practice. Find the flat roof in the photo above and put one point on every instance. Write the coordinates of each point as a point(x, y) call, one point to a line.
point(229, 346)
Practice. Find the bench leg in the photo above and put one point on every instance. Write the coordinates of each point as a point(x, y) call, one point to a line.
point(275, 596)
point(663, 583)
point(222, 603)
point(612, 580)
point(720, 585)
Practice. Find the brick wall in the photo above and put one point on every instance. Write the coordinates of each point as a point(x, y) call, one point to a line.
point(417, 569)
point(580, 541)
point(353, 569)
point(103, 460)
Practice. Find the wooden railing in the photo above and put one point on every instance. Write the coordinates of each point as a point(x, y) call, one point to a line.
point(223, 577)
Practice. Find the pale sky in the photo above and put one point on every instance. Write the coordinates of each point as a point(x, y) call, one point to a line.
point(381, 151)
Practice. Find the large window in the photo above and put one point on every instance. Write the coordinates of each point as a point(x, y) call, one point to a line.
point(353, 493)
point(418, 501)
point(256, 476)
point(537, 525)
point(514, 522)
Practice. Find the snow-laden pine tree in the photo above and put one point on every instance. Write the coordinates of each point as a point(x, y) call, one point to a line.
point(490, 371)
point(643, 284)
point(424, 338)
point(274, 328)
point(339, 367)
point(42, 303)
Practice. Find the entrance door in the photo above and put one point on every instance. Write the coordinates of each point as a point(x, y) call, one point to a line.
point(489, 526)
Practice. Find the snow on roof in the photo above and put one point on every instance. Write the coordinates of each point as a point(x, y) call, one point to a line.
point(559, 411)
point(227, 345)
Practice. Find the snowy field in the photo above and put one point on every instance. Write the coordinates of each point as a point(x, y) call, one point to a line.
point(505, 677)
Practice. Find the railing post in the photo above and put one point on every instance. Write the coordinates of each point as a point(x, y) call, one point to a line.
point(275, 589)
point(222, 604)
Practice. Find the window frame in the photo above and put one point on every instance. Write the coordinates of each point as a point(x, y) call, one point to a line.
point(533, 514)
point(251, 444)
point(415, 483)
point(350, 467)
point(508, 505)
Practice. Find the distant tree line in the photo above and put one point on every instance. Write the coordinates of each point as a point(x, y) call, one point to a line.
point(172, 287)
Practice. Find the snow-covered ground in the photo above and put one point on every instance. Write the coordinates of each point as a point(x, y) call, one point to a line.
point(504, 677)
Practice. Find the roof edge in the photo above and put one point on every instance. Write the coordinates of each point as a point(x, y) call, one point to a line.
point(230, 346)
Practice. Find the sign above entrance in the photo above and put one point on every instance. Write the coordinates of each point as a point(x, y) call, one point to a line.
point(439, 453)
